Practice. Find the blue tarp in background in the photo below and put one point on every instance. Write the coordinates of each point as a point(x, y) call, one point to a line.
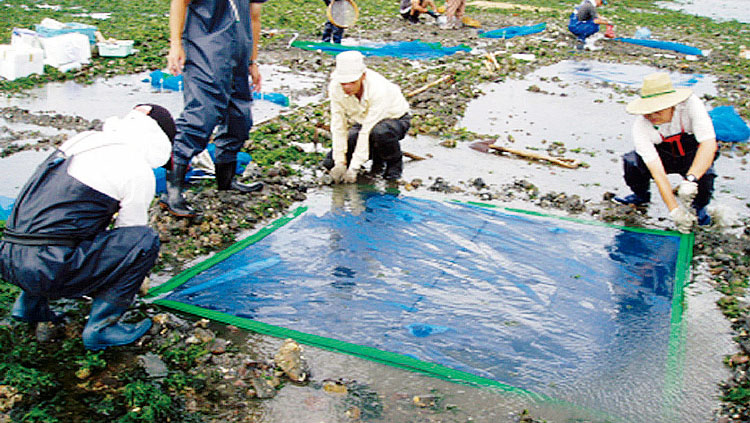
point(404, 49)
point(664, 45)
point(534, 302)
point(514, 31)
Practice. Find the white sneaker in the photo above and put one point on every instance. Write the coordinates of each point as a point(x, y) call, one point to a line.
point(589, 45)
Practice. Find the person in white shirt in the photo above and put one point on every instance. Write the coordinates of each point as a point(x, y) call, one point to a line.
point(369, 118)
point(58, 242)
point(673, 133)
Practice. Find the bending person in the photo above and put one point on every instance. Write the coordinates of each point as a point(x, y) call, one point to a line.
point(369, 118)
point(584, 22)
point(673, 133)
point(57, 243)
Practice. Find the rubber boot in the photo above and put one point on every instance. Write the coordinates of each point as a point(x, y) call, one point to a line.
point(105, 330)
point(704, 219)
point(393, 169)
point(636, 199)
point(433, 14)
point(377, 166)
point(225, 179)
point(33, 309)
point(173, 200)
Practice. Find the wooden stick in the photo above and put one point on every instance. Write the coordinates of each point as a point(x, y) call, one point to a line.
point(428, 86)
point(412, 156)
point(569, 163)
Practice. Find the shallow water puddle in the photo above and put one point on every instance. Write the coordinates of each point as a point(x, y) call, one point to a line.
point(576, 109)
point(115, 96)
point(723, 10)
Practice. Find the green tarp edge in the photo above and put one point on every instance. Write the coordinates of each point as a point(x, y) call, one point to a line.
point(223, 255)
point(674, 359)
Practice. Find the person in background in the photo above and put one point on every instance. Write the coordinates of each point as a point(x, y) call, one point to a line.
point(369, 118)
point(454, 12)
point(211, 42)
point(672, 133)
point(57, 242)
point(411, 9)
point(585, 21)
point(331, 32)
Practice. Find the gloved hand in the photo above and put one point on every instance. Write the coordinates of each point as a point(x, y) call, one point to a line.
point(337, 172)
point(350, 176)
point(682, 219)
point(687, 191)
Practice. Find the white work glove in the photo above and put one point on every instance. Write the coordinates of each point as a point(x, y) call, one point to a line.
point(687, 191)
point(337, 172)
point(350, 176)
point(682, 219)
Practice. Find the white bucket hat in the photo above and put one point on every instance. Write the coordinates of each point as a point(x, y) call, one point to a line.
point(350, 65)
point(657, 93)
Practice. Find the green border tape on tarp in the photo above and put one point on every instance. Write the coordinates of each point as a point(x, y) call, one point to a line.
point(223, 255)
point(676, 346)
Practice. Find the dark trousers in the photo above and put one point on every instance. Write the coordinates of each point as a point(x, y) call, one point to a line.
point(384, 140)
point(638, 177)
point(332, 31)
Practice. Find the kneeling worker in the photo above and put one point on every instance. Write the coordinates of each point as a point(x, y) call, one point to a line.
point(672, 134)
point(369, 117)
point(57, 243)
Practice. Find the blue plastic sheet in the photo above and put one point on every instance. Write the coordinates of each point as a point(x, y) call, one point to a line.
point(6, 205)
point(404, 49)
point(535, 302)
point(728, 125)
point(664, 45)
point(514, 31)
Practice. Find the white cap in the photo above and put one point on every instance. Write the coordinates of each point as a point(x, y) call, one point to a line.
point(350, 65)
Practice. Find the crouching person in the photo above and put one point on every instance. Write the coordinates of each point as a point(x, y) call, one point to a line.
point(673, 134)
point(58, 242)
point(369, 118)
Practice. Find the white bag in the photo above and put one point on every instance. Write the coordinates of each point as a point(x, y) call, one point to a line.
point(67, 51)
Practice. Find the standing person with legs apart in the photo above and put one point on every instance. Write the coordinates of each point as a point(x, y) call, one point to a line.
point(584, 23)
point(673, 133)
point(57, 243)
point(454, 12)
point(210, 43)
point(369, 117)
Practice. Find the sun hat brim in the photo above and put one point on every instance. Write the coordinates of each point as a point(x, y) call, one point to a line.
point(344, 77)
point(643, 106)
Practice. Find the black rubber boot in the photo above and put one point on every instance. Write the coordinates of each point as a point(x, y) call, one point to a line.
point(105, 330)
point(173, 200)
point(225, 179)
point(33, 309)
point(393, 169)
point(377, 166)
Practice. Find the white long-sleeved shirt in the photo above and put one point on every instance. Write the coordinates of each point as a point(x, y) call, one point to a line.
point(381, 99)
point(119, 160)
point(689, 115)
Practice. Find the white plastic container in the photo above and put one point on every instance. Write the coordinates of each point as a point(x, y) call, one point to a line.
point(20, 61)
point(67, 51)
point(119, 48)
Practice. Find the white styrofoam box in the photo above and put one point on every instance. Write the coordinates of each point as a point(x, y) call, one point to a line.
point(66, 51)
point(20, 61)
point(25, 37)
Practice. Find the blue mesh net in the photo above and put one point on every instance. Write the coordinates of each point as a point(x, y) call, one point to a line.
point(532, 301)
point(514, 31)
point(664, 45)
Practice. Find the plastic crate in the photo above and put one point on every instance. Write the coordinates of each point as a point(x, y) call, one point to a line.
point(119, 48)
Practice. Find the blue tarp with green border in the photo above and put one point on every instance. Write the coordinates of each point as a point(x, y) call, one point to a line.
point(404, 49)
point(467, 292)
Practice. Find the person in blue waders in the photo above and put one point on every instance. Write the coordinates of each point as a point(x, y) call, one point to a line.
point(211, 43)
point(585, 21)
point(57, 243)
point(673, 134)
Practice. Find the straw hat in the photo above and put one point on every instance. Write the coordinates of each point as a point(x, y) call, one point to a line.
point(657, 93)
point(350, 65)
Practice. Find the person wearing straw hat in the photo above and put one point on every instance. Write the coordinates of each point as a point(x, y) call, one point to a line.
point(369, 118)
point(672, 133)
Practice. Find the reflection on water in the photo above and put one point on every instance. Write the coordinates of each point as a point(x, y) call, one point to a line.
point(721, 10)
